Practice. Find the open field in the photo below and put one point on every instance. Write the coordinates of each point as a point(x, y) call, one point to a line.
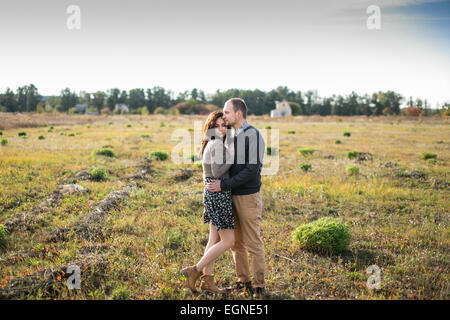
point(132, 233)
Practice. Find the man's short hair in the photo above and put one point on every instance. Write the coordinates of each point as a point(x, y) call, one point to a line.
point(239, 104)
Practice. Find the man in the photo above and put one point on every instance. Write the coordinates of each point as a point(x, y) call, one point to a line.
point(245, 184)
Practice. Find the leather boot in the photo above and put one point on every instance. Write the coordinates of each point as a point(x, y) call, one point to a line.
point(209, 285)
point(192, 275)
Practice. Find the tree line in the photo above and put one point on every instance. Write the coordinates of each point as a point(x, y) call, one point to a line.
point(195, 101)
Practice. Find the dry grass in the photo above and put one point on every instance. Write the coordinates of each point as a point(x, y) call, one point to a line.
point(398, 212)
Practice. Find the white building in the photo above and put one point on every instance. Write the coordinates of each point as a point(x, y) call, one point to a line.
point(81, 108)
point(282, 109)
point(121, 108)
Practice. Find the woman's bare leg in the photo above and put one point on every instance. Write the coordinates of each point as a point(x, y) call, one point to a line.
point(216, 250)
point(213, 239)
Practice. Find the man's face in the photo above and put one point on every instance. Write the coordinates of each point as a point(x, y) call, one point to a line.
point(228, 114)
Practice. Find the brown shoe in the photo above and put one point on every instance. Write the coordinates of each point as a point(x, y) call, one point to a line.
point(208, 285)
point(192, 275)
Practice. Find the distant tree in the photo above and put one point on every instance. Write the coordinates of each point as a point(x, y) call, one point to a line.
point(98, 100)
point(8, 100)
point(136, 99)
point(123, 98)
point(413, 111)
point(68, 99)
point(112, 98)
point(296, 109)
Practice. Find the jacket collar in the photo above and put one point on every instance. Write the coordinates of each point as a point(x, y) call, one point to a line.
point(242, 128)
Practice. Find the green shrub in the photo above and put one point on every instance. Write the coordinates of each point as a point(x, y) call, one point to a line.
point(161, 156)
point(145, 136)
point(305, 166)
point(175, 240)
point(272, 151)
point(105, 152)
point(268, 127)
point(427, 156)
point(194, 158)
point(22, 134)
point(1, 133)
point(337, 142)
point(128, 125)
point(347, 134)
point(291, 132)
point(352, 154)
point(88, 126)
point(49, 130)
point(305, 151)
point(325, 235)
point(71, 134)
point(161, 124)
point(41, 137)
point(4, 142)
point(352, 170)
point(2, 234)
point(121, 293)
point(110, 123)
point(98, 174)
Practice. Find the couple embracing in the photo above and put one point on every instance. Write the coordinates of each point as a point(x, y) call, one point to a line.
point(232, 165)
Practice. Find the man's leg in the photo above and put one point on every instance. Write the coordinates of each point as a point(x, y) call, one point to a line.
point(240, 254)
point(249, 208)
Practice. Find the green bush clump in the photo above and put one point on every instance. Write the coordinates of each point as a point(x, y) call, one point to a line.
point(162, 124)
point(352, 154)
point(121, 293)
point(268, 127)
point(41, 137)
point(194, 158)
point(272, 151)
point(305, 166)
point(161, 156)
point(98, 174)
point(145, 135)
point(352, 170)
point(71, 134)
point(325, 235)
point(305, 151)
point(347, 134)
point(105, 152)
point(22, 134)
point(338, 142)
point(427, 156)
point(1, 133)
point(51, 128)
point(291, 132)
point(128, 125)
point(2, 234)
point(4, 142)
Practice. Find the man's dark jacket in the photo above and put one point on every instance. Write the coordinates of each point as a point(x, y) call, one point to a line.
point(245, 172)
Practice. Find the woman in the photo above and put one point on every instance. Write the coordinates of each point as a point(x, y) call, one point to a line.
point(216, 161)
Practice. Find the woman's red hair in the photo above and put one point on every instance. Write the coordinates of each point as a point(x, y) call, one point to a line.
point(210, 123)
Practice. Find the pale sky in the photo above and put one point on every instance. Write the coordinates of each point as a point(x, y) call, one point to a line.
point(209, 45)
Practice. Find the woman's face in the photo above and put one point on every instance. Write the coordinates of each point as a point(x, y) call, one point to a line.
point(221, 127)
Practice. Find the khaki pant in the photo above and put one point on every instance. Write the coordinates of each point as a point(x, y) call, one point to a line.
point(247, 212)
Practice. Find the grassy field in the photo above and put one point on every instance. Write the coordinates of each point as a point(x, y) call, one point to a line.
point(131, 234)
